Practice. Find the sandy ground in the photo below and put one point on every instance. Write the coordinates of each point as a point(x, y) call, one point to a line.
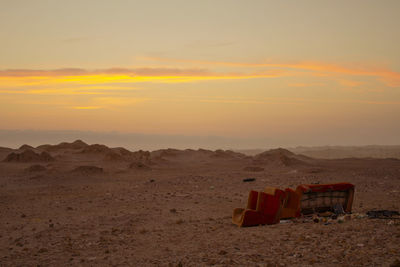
point(74, 204)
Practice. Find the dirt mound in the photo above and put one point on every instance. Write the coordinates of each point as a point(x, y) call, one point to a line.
point(166, 153)
point(228, 154)
point(122, 151)
point(35, 168)
point(88, 170)
point(29, 156)
point(113, 156)
point(78, 144)
point(274, 153)
point(25, 147)
point(96, 149)
point(120, 154)
point(280, 157)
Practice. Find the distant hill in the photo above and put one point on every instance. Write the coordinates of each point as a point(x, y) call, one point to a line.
point(336, 152)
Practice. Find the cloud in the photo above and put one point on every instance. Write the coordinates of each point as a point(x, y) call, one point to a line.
point(385, 75)
point(135, 73)
point(14, 78)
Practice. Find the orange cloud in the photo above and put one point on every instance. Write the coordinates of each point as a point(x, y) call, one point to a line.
point(389, 77)
point(15, 78)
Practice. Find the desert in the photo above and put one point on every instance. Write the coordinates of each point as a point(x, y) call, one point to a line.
point(199, 133)
point(83, 205)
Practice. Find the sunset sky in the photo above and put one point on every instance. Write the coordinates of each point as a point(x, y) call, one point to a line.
point(283, 72)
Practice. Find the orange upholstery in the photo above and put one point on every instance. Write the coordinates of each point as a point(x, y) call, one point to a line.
point(273, 204)
point(291, 207)
point(262, 208)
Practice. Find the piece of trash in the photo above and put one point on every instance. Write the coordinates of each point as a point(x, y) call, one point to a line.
point(249, 180)
point(383, 214)
point(285, 221)
point(338, 209)
point(272, 204)
point(325, 214)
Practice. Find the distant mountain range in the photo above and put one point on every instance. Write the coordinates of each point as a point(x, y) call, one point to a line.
point(336, 152)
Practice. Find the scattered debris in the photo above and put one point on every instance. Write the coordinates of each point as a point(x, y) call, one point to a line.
point(249, 180)
point(338, 209)
point(383, 214)
point(317, 200)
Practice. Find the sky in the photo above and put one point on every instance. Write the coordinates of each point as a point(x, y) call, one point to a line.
point(256, 73)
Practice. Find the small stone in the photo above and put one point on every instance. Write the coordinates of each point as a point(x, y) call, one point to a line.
point(222, 252)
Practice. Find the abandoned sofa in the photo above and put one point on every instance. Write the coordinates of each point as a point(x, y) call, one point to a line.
point(272, 204)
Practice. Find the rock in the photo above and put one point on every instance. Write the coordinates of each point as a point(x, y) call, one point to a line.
point(222, 252)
